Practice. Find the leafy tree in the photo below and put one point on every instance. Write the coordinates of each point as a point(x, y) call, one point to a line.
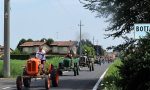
point(49, 41)
point(21, 42)
point(88, 50)
point(43, 39)
point(99, 50)
point(29, 40)
point(87, 47)
point(122, 14)
point(16, 51)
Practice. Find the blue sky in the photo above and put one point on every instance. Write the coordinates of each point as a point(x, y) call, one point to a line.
point(38, 19)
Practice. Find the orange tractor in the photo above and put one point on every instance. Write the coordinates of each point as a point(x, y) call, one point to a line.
point(34, 69)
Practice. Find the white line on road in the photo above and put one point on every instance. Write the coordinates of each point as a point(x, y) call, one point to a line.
point(6, 88)
point(100, 79)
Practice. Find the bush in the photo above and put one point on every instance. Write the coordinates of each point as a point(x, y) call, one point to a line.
point(136, 66)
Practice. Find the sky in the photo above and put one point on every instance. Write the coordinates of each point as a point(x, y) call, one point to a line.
point(57, 19)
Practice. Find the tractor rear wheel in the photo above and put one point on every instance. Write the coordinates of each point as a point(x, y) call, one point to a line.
point(47, 82)
point(19, 83)
point(55, 78)
point(75, 71)
point(90, 67)
point(60, 72)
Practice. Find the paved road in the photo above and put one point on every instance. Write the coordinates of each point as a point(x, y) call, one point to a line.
point(85, 81)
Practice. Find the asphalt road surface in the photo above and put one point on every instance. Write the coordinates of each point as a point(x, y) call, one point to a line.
point(85, 81)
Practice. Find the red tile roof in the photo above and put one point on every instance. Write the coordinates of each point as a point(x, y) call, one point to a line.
point(63, 43)
point(34, 43)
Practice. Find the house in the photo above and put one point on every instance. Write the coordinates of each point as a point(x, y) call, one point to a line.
point(32, 47)
point(63, 47)
point(2, 50)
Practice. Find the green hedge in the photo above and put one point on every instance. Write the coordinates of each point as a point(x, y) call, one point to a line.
point(20, 57)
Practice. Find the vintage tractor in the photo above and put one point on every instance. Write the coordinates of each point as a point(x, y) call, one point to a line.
point(69, 64)
point(87, 62)
point(34, 69)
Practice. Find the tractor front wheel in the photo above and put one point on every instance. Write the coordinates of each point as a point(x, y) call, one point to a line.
point(55, 78)
point(47, 83)
point(19, 83)
point(26, 82)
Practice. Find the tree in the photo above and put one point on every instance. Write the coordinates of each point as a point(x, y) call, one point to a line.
point(99, 50)
point(87, 47)
point(88, 50)
point(49, 41)
point(43, 39)
point(16, 51)
point(21, 42)
point(122, 14)
point(29, 40)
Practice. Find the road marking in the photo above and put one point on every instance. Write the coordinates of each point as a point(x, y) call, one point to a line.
point(100, 79)
point(6, 88)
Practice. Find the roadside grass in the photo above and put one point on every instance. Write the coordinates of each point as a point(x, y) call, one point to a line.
point(16, 66)
point(111, 77)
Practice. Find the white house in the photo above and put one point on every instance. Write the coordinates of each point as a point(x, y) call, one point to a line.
point(32, 47)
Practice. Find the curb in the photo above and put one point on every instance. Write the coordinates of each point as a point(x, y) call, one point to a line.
point(100, 79)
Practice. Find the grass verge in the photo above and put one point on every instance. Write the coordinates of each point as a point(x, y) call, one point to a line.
point(111, 77)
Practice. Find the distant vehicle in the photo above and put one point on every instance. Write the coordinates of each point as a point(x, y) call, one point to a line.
point(69, 64)
point(85, 61)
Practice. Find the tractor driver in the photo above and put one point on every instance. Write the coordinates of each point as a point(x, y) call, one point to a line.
point(40, 54)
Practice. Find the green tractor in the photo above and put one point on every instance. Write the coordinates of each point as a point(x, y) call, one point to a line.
point(69, 64)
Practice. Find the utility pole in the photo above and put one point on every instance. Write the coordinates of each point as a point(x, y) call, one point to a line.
point(80, 25)
point(57, 35)
point(6, 64)
point(97, 48)
point(93, 44)
point(93, 41)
